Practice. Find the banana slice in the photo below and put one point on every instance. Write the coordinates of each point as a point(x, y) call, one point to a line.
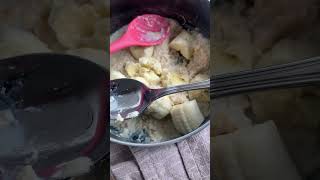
point(72, 23)
point(160, 108)
point(183, 43)
point(132, 68)
point(229, 114)
point(149, 75)
point(199, 95)
point(138, 52)
point(187, 116)
point(173, 79)
point(241, 155)
point(116, 75)
point(151, 63)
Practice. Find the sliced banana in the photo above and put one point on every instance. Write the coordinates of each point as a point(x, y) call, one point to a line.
point(152, 63)
point(132, 68)
point(72, 23)
point(236, 154)
point(224, 63)
point(138, 52)
point(187, 116)
point(229, 114)
point(201, 55)
point(173, 79)
point(183, 43)
point(149, 75)
point(116, 75)
point(199, 95)
point(160, 108)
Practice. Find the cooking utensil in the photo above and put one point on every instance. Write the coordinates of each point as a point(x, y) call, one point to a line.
point(188, 13)
point(129, 98)
point(59, 105)
point(296, 74)
point(144, 30)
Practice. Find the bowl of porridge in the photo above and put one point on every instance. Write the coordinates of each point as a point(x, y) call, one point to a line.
point(181, 59)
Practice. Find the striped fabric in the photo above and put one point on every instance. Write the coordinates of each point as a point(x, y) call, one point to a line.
point(189, 159)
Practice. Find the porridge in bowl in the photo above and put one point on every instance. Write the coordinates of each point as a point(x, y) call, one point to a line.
point(181, 59)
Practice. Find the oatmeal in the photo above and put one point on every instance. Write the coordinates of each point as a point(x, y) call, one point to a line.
point(181, 59)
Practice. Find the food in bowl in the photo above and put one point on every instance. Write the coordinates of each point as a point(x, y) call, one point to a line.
point(181, 59)
point(250, 35)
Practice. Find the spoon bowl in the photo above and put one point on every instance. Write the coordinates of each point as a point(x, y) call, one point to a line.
point(129, 97)
point(144, 30)
point(58, 107)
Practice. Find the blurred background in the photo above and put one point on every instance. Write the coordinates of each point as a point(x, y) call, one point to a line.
point(253, 135)
point(76, 27)
point(272, 134)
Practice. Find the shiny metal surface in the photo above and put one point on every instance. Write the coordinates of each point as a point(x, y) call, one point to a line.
point(129, 98)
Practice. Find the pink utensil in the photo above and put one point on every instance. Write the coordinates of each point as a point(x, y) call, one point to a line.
point(144, 30)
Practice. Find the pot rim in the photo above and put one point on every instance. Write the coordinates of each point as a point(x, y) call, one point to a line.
point(172, 141)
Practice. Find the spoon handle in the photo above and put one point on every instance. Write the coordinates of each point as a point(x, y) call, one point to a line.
point(123, 42)
point(181, 88)
point(296, 74)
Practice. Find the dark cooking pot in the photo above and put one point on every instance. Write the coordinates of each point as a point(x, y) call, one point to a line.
point(190, 14)
point(60, 111)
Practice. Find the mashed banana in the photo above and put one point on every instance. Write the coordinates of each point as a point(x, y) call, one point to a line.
point(71, 27)
point(254, 34)
point(181, 59)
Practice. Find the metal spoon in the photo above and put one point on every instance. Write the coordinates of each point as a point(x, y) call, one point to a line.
point(129, 98)
point(59, 109)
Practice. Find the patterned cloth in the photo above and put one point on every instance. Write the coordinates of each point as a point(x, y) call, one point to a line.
point(189, 159)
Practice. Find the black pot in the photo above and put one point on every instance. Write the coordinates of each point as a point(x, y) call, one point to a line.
point(191, 14)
